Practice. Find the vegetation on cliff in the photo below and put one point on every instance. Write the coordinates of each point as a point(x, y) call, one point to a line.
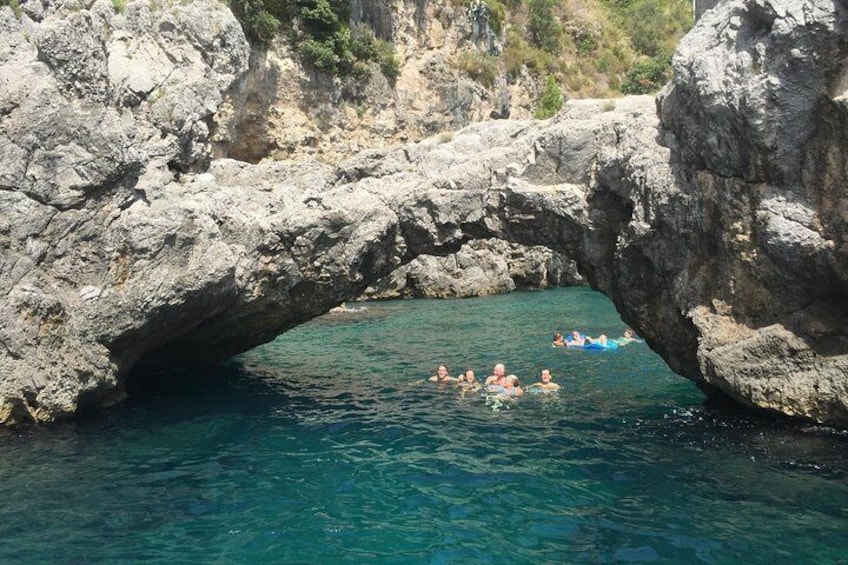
point(551, 100)
point(320, 32)
point(591, 47)
point(594, 48)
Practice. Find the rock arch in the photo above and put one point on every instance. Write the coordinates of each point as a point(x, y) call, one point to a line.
point(713, 218)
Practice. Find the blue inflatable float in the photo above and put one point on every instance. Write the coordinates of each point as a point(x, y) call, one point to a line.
point(608, 345)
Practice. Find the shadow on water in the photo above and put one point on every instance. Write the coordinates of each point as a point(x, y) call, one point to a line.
point(189, 392)
point(773, 439)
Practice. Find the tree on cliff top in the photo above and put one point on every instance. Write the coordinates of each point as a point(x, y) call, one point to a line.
point(542, 26)
point(551, 100)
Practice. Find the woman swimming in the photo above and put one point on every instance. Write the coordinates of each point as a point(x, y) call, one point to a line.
point(468, 381)
point(511, 387)
point(441, 375)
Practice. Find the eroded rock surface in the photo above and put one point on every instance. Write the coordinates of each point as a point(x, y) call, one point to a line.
point(479, 268)
point(716, 225)
point(758, 112)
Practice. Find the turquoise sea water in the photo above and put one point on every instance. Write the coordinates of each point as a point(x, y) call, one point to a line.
point(321, 448)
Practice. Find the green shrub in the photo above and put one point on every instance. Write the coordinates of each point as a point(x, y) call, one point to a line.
point(360, 70)
point(646, 76)
point(341, 42)
point(585, 39)
point(264, 27)
point(318, 54)
point(260, 26)
point(654, 26)
point(282, 10)
point(497, 16)
point(514, 54)
point(551, 100)
point(362, 43)
point(319, 34)
point(387, 59)
point(318, 18)
point(519, 54)
point(120, 6)
point(478, 66)
point(543, 26)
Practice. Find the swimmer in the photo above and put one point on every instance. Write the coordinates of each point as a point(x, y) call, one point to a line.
point(498, 375)
point(626, 338)
point(602, 340)
point(511, 387)
point(441, 375)
point(559, 341)
point(575, 339)
point(546, 385)
point(468, 381)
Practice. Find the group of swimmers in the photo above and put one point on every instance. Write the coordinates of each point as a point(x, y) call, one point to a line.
point(498, 383)
point(505, 386)
point(576, 339)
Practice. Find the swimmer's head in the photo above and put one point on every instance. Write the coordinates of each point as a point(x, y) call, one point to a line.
point(546, 375)
point(469, 376)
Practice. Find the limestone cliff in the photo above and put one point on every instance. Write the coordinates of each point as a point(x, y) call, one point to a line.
point(757, 111)
point(283, 110)
point(715, 224)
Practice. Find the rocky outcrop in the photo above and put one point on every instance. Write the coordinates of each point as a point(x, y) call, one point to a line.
point(717, 227)
point(757, 111)
point(479, 268)
point(97, 108)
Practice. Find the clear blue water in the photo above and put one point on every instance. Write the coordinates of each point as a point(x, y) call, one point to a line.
point(321, 448)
